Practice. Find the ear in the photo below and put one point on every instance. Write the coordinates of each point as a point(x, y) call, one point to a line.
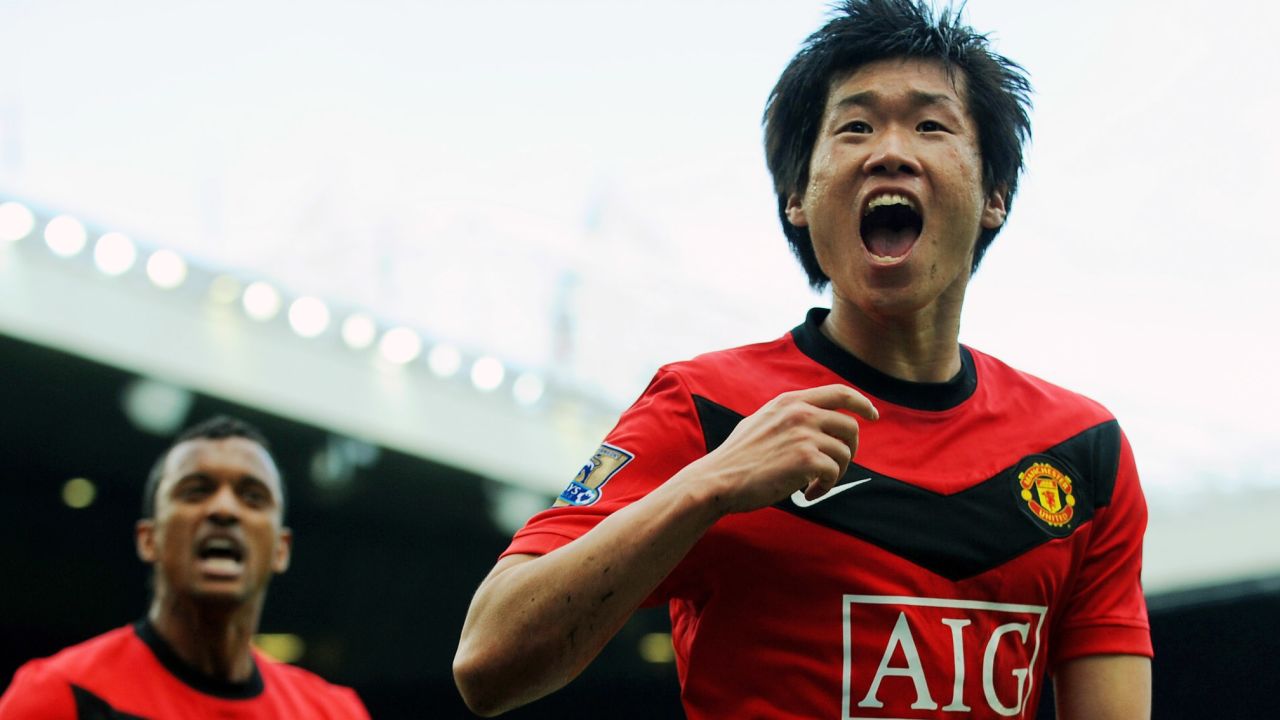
point(144, 539)
point(283, 551)
point(993, 212)
point(795, 211)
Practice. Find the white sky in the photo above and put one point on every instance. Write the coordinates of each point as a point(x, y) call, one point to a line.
point(402, 155)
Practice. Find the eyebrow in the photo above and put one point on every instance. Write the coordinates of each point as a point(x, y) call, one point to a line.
point(871, 98)
point(243, 479)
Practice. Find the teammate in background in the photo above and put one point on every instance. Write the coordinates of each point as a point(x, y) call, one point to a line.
point(212, 530)
point(988, 531)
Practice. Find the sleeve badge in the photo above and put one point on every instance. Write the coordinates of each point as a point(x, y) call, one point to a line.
point(586, 487)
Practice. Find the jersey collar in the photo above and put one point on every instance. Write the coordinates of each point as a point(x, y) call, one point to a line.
point(192, 677)
point(810, 339)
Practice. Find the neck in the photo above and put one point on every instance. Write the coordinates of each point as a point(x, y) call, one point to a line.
point(212, 638)
point(923, 347)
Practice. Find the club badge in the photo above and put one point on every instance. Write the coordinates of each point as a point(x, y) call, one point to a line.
point(1046, 493)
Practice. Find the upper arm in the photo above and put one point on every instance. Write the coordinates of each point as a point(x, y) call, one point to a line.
point(1104, 612)
point(1104, 687)
point(37, 693)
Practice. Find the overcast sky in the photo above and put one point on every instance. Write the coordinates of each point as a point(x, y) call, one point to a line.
point(468, 167)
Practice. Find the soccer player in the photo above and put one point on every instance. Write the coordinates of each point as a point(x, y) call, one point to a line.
point(862, 518)
point(212, 530)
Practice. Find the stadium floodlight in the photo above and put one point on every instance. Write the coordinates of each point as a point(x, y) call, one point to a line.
point(487, 373)
point(528, 389)
point(444, 360)
point(358, 331)
point(166, 269)
point(308, 316)
point(65, 236)
point(114, 254)
point(16, 221)
point(78, 493)
point(224, 290)
point(400, 345)
point(261, 301)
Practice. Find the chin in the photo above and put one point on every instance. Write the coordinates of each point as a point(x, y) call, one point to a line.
point(222, 596)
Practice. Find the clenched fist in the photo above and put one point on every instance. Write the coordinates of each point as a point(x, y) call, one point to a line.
point(800, 440)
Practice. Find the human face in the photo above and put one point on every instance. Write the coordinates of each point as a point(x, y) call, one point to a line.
point(217, 532)
point(894, 201)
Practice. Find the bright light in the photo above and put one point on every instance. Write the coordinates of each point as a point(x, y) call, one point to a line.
point(156, 407)
point(65, 236)
point(16, 221)
point(444, 360)
point(528, 389)
point(284, 647)
point(657, 648)
point(166, 269)
point(486, 374)
point(261, 301)
point(114, 254)
point(308, 316)
point(358, 331)
point(224, 290)
point(400, 345)
point(78, 493)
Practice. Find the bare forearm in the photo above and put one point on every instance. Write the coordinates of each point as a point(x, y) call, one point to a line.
point(1104, 687)
point(536, 622)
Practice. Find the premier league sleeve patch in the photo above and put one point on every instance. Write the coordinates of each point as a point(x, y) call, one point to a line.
point(585, 489)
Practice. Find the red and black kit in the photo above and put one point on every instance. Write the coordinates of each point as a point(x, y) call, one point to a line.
point(131, 673)
point(989, 528)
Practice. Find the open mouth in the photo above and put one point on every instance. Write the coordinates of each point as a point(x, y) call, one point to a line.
point(891, 224)
point(220, 556)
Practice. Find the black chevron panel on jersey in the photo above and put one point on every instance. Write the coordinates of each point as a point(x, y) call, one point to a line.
point(92, 707)
point(960, 535)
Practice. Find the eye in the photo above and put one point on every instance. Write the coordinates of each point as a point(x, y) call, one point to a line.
point(192, 490)
point(857, 126)
point(255, 495)
point(930, 126)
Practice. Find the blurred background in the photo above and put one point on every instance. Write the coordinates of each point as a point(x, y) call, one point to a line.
point(433, 249)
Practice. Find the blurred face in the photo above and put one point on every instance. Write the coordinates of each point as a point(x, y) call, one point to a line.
point(216, 534)
point(894, 201)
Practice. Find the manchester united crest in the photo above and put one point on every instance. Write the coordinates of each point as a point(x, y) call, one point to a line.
point(1047, 493)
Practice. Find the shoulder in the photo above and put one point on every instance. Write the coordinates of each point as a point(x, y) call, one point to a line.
point(45, 682)
point(732, 366)
point(338, 700)
point(90, 654)
point(1007, 384)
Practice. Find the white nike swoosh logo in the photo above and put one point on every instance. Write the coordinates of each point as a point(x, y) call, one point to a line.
point(801, 501)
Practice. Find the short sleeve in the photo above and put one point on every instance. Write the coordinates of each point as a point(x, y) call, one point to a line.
point(654, 439)
point(37, 694)
point(1106, 612)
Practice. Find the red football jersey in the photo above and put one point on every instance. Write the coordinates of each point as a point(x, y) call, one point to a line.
point(131, 672)
point(989, 528)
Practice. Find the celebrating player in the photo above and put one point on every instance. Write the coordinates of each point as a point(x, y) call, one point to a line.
point(212, 530)
point(862, 518)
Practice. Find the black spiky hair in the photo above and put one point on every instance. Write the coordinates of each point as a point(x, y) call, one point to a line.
point(997, 94)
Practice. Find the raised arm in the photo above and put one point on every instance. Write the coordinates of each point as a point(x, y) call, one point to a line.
point(537, 621)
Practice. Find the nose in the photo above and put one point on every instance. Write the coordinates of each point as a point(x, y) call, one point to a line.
point(892, 154)
point(224, 507)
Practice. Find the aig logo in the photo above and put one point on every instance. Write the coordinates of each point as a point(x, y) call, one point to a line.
point(933, 656)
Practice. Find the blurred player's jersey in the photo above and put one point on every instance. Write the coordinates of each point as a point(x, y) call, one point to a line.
point(131, 673)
